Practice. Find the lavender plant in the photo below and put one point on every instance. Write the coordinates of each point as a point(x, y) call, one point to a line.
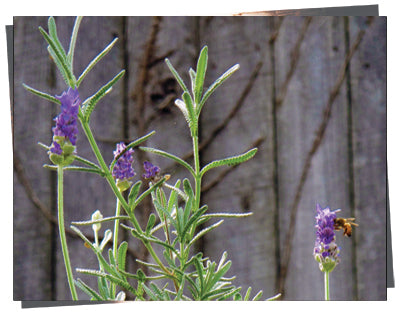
point(189, 275)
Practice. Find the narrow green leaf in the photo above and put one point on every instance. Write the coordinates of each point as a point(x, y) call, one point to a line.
point(111, 258)
point(203, 232)
point(103, 287)
point(161, 208)
point(106, 219)
point(149, 190)
point(176, 75)
point(133, 193)
point(257, 296)
point(229, 161)
point(191, 112)
point(168, 258)
point(169, 156)
point(247, 295)
point(150, 293)
point(61, 68)
point(89, 104)
point(150, 223)
point(194, 218)
point(232, 215)
point(200, 273)
point(273, 298)
point(71, 50)
point(187, 187)
point(87, 162)
point(42, 94)
point(89, 291)
point(77, 169)
point(123, 248)
point(221, 272)
point(214, 294)
point(88, 242)
point(53, 34)
point(215, 85)
point(192, 75)
point(58, 58)
point(200, 74)
point(95, 61)
point(172, 201)
point(180, 223)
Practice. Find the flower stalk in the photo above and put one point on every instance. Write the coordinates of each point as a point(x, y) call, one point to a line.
point(61, 227)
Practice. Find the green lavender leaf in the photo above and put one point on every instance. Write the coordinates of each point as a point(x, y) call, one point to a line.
point(173, 199)
point(191, 113)
point(89, 291)
point(229, 161)
point(202, 233)
point(200, 74)
point(169, 156)
point(194, 219)
point(61, 68)
point(89, 104)
point(77, 169)
point(106, 219)
point(150, 223)
point(215, 85)
point(95, 61)
point(71, 50)
point(176, 75)
point(59, 59)
point(133, 193)
point(123, 248)
point(42, 94)
point(54, 36)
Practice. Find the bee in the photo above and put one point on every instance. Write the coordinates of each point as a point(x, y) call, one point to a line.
point(345, 224)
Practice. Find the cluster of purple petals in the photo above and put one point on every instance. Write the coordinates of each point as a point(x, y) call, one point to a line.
point(325, 245)
point(150, 170)
point(56, 148)
point(123, 167)
point(67, 120)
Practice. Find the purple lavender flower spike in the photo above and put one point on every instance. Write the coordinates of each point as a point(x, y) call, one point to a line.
point(123, 169)
point(67, 120)
point(150, 170)
point(326, 252)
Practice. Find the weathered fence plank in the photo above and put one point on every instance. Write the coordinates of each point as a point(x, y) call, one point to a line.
point(368, 85)
point(32, 121)
point(307, 156)
point(249, 242)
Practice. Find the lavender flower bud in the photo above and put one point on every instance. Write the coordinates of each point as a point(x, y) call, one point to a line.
point(123, 170)
point(95, 217)
point(151, 170)
point(326, 252)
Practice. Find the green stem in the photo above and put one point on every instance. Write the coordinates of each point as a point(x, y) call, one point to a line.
point(197, 178)
point(115, 240)
point(116, 191)
point(108, 175)
point(63, 238)
point(327, 285)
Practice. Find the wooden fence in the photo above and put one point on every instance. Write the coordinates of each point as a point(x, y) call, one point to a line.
point(310, 94)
